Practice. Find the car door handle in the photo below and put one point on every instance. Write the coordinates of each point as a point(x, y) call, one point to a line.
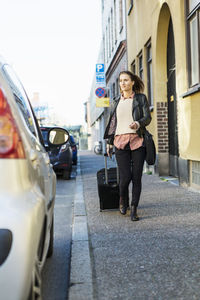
point(47, 160)
point(33, 155)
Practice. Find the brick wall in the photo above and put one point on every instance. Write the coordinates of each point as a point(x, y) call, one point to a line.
point(162, 122)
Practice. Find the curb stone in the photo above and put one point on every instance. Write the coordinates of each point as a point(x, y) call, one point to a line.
point(81, 287)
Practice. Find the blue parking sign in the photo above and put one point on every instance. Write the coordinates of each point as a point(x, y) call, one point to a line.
point(99, 68)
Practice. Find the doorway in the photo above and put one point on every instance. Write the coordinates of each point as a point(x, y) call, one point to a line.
point(172, 103)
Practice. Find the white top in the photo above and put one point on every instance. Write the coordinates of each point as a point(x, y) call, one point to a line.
point(124, 116)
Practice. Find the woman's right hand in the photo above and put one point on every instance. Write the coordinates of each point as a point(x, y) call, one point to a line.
point(109, 150)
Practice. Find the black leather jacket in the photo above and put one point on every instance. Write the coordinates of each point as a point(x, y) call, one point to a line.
point(140, 112)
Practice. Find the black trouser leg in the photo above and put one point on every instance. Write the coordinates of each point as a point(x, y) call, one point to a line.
point(123, 158)
point(128, 173)
point(138, 157)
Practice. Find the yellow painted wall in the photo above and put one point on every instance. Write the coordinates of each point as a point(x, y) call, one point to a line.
point(189, 127)
point(150, 19)
point(139, 30)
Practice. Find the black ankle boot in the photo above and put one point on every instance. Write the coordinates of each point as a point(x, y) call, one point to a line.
point(122, 206)
point(134, 216)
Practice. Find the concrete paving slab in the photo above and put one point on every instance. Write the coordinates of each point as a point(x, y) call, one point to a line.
point(79, 209)
point(80, 231)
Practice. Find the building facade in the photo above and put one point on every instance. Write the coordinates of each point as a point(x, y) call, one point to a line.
point(94, 115)
point(163, 45)
point(114, 45)
point(113, 54)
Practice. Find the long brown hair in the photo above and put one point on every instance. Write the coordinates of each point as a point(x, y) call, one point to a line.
point(138, 86)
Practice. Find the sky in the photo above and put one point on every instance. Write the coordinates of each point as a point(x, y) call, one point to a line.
point(53, 47)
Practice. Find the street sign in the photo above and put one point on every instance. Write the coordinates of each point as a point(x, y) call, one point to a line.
point(100, 78)
point(100, 75)
point(100, 92)
point(102, 102)
point(99, 68)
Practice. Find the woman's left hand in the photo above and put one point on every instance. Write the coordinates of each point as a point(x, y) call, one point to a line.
point(134, 125)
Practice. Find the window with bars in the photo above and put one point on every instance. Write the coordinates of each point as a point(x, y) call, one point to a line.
point(193, 40)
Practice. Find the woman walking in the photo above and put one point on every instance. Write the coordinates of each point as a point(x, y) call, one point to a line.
point(128, 118)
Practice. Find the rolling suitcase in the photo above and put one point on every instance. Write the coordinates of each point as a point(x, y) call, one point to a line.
point(108, 187)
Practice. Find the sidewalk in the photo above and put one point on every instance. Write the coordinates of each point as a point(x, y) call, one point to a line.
point(155, 258)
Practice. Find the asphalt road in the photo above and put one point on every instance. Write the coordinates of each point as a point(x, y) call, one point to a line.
point(55, 275)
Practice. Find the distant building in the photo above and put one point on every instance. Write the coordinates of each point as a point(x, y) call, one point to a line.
point(94, 114)
point(80, 135)
point(41, 109)
point(44, 113)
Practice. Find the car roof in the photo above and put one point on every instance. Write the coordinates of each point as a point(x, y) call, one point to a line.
point(49, 127)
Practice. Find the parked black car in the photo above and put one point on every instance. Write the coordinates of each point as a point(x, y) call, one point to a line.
point(61, 155)
point(74, 149)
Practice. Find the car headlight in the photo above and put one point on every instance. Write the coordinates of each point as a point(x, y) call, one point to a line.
point(6, 238)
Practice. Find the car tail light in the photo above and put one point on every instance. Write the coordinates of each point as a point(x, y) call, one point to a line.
point(63, 148)
point(10, 140)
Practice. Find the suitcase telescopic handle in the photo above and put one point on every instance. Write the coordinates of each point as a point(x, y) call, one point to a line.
point(106, 169)
point(106, 154)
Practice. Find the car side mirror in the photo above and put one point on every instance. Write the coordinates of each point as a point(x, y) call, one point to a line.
point(58, 136)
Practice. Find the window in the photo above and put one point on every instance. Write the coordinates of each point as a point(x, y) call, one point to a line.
point(109, 39)
point(133, 67)
point(113, 91)
point(108, 92)
point(120, 16)
point(149, 73)
point(117, 87)
point(20, 97)
point(193, 4)
point(140, 61)
point(130, 7)
point(102, 5)
point(115, 23)
point(193, 38)
point(106, 45)
point(111, 29)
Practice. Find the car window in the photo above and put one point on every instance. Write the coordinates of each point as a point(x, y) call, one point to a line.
point(44, 135)
point(20, 97)
point(72, 141)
